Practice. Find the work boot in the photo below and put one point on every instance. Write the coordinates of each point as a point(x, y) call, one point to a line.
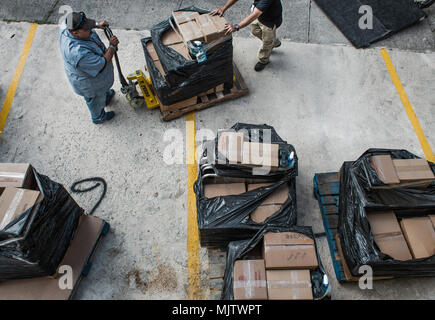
point(110, 97)
point(260, 66)
point(277, 43)
point(107, 117)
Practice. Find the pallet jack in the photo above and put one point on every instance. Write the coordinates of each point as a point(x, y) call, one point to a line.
point(136, 101)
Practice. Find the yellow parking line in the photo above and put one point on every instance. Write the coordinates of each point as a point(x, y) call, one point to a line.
point(408, 107)
point(192, 224)
point(4, 112)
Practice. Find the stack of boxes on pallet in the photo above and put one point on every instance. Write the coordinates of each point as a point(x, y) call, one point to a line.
point(282, 273)
point(47, 229)
point(186, 83)
point(232, 146)
point(414, 237)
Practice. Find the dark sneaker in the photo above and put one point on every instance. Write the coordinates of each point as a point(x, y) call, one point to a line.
point(107, 117)
point(110, 97)
point(260, 66)
point(277, 43)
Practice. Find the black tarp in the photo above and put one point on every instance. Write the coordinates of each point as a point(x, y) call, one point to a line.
point(223, 219)
point(389, 17)
point(357, 197)
point(186, 78)
point(237, 250)
point(34, 244)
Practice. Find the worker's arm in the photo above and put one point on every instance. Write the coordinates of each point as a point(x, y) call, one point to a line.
point(220, 11)
point(245, 22)
point(108, 55)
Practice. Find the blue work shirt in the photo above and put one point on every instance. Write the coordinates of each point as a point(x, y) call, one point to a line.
point(85, 64)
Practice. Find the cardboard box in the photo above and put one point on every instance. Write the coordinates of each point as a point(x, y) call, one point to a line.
point(16, 175)
point(204, 27)
point(181, 17)
point(278, 197)
point(249, 280)
point(420, 236)
point(432, 218)
point(152, 51)
point(260, 154)
point(220, 190)
point(170, 37)
point(230, 145)
point(14, 202)
point(289, 285)
point(182, 49)
point(385, 169)
point(388, 235)
point(190, 31)
point(410, 170)
point(289, 250)
point(263, 212)
point(77, 256)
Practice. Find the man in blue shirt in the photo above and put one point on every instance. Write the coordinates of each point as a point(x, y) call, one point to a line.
point(88, 63)
point(265, 18)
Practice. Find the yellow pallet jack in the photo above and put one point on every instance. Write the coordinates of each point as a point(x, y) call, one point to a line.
point(149, 98)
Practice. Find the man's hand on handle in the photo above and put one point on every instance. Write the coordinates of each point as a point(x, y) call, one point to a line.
point(102, 24)
point(114, 41)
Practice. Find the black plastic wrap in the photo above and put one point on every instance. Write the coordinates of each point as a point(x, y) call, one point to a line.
point(224, 219)
point(389, 17)
point(34, 244)
point(186, 78)
point(357, 197)
point(237, 250)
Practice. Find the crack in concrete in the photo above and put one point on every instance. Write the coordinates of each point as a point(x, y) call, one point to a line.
point(50, 12)
point(309, 22)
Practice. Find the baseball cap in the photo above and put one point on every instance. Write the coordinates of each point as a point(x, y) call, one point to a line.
point(78, 20)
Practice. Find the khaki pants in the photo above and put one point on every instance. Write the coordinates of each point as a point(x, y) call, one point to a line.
point(267, 36)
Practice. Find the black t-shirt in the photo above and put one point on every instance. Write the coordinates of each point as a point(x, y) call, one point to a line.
point(272, 12)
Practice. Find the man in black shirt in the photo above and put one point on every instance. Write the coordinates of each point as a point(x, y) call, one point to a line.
point(265, 18)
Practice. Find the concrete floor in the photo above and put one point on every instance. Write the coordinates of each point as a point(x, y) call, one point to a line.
point(332, 102)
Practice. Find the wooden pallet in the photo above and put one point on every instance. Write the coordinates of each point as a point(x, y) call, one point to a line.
point(217, 259)
point(327, 192)
point(206, 100)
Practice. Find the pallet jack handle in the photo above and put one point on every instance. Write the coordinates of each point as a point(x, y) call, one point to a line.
point(124, 82)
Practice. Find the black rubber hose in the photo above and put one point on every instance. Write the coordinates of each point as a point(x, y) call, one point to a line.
point(99, 181)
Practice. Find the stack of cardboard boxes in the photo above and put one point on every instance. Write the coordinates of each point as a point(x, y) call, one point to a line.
point(232, 146)
point(19, 192)
point(413, 238)
point(282, 274)
point(190, 26)
point(400, 173)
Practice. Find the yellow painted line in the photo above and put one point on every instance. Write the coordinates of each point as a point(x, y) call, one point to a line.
point(408, 107)
point(4, 112)
point(194, 281)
